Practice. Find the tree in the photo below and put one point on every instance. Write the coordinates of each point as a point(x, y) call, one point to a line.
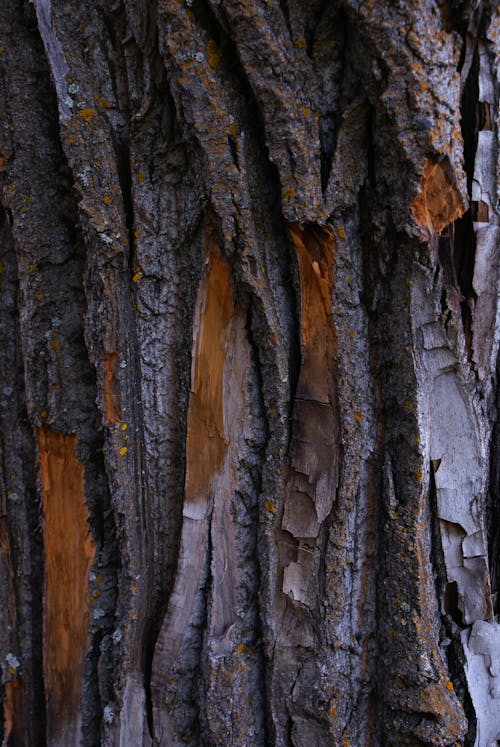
point(249, 355)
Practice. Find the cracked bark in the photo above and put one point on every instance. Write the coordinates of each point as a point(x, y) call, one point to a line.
point(249, 357)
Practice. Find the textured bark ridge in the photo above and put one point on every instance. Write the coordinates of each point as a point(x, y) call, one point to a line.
point(249, 319)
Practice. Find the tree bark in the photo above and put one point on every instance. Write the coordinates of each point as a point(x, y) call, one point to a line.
point(249, 357)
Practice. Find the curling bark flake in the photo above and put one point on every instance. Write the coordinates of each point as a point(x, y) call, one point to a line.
point(439, 202)
point(69, 552)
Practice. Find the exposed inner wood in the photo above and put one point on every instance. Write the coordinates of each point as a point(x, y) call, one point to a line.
point(314, 458)
point(69, 551)
point(13, 709)
point(206, 442)
point(112, 414)
point(439, 202)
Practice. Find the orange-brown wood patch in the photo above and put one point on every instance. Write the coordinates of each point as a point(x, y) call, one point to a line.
point(439, 202)
point(112, 414)
point(69, 552)
point(206, 442)
point(315, 251)
point(13, 710)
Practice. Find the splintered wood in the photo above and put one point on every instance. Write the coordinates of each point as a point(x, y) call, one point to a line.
point(69, 552)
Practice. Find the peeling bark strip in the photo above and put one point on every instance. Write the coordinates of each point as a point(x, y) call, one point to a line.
point(314, 445)
point(205, 450)
point(69, 552)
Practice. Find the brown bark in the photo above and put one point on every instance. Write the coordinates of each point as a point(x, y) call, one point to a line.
point(249, 357)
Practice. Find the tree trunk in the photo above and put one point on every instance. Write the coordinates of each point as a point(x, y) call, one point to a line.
point(249, 355)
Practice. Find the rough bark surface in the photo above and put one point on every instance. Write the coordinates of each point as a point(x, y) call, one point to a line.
point(249, 358)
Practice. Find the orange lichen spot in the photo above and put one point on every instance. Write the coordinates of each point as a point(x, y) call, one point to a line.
point(39, 296)
point(301, 42)
point(69, 552)
point(111, 401)
point(214, 53)
point(358, 417)
point(233, 129)
point(270, 507)
point(107, 200)
point(439, 202)
point(306, 111)
point(43, 414)
point(104, 103)
point(87, 114)
point(420, 475)
point(136, 276)
point(206, 440)
point(409, 404)
point(288, 193)
point(124, 426)
point(123, 451)
point(242, 648)
point(55, 345)
point(341, 232)
point(449, 685)
point(137, 233)
point(140, 176)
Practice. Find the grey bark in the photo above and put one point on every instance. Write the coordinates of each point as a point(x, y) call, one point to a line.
point(249, 356)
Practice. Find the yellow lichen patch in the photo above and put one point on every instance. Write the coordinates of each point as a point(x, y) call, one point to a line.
point(439, 202)
point(242, 648)
point(136, 276)
point(123, 450)
point(419, 475)
point(107, 200)
point(306, 111)
point(300, 43)
point(214, 53)
point(55, 345)
point(288, 193)
point(87, 114)
point(124, 426)
point(270, 507)
point(137, 234)
point(140, 176)
point(358, 417)
point(39, 296)
point(340, 232)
